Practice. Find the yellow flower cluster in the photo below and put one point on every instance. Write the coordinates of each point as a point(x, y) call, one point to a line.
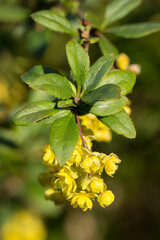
point(100, 131)
point(23, 226)
point(79, 179)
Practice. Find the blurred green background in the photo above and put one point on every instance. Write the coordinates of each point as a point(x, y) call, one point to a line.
point(135, 212)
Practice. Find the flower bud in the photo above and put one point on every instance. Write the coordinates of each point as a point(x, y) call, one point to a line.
point(122, 61)
point(105, 198)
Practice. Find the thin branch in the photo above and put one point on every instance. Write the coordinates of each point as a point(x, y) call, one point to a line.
point(80, 131)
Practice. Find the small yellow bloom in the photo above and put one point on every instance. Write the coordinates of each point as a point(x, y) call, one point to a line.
point(24, 226)
point(55, 196)
point(122, 61)
point(69, 170)
point(85, 183)
point(103, 134)
point(105, 198)
point(88, 140)
point(82, 200)
point(66, 184)
point(97, 185)
point(91, 164)
point(75, 158)
point(110, 163)
point(48, 157)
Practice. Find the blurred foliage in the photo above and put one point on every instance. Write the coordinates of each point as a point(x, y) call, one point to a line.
point(135, 213)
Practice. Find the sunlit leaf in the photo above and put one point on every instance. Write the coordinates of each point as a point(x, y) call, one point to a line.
point(78, 60)
point(105, 92)
point(64, 136)
point(36, 72)
point(135, 30)
point(109, 107)
point(118, 9)
point(53, 84)
point(120, 123)
point(53, 21)
point(97, 71)
point(125, 79)
point(33, 113)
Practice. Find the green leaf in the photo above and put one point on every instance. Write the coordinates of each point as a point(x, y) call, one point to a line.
point(97, 71)
point(78, 60)
point(66, 103)
point(118, 9)
point(107, 47)
point(33, 113)
point(120, 123)
point(53, 84)
point(13, 14)
point(106, 108)
point(136, 30)
point(36, 72)
point(58, 113)
point(105, 92)
point(125, 79)
point(53, 21)
point(64, 136)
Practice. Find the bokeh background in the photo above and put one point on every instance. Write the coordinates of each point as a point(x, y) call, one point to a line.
point(136, 210)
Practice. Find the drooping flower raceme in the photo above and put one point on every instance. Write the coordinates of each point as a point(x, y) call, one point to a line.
point(79, 180)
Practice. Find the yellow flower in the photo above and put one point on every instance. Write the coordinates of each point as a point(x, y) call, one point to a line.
point(91, 164)
point(97, 185)
point(99, 130)
point(48, 157)
point(65, 183)
point(103, 134)
point(122, 61)
point(82, 200)
point(75, 158)
point(105, 198)
point(79, 180)
point(88, 140)
point(85, 182)
point(110, 163)
point(71, 171)
point(24, 226)
point(53, 195)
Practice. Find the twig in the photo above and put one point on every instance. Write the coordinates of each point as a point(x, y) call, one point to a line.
point(80, 131)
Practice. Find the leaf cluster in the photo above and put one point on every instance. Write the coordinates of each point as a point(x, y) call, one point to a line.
point(96, 31)
point(88, 89)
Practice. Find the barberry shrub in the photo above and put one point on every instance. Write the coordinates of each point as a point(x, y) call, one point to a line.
point(87, 104)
